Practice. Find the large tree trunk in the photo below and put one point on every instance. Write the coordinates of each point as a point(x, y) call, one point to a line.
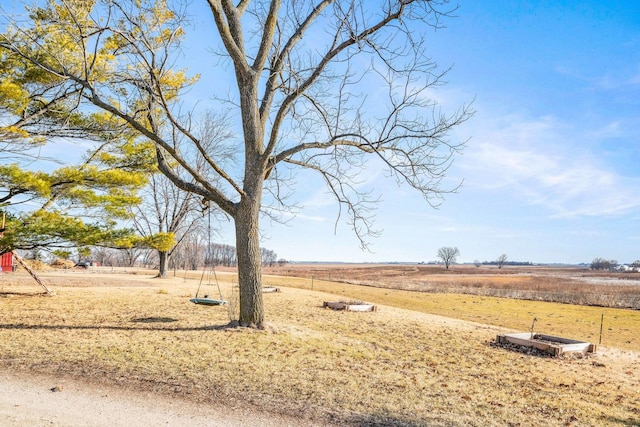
point(249, 262)
point(163, 261)
point(248, 210)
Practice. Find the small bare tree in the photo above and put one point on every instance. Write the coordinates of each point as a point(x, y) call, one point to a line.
point(448, 255)
point(191, 253)
point(129, 256)
point(166, 209)
point(603, 264)
point(502, 259)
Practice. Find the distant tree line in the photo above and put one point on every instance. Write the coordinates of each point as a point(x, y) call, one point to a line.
point(192, 253)
point(611, 264)
point(509, 263)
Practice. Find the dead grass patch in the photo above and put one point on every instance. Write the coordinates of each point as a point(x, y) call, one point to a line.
point(392, 367)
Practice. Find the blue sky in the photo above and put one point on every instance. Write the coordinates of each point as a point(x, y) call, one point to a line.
point(552, 168)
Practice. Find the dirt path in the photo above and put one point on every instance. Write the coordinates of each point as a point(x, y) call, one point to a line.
point(30, 401)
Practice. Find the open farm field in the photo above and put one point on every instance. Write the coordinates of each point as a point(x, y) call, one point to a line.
point(401, 365)
point(620, 326)
point(570, 285)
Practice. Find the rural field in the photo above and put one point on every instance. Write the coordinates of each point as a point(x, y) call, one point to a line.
point(426, 357)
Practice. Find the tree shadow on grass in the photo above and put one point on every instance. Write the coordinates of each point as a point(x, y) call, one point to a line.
point(5, 294)
point(116, 328)
point(623, 422)
point(154, 320)
point(376, 420)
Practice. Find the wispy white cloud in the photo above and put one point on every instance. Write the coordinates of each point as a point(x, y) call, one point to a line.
point(312, 218)
point(615, 128)
point(539, 162)
point(625, 78)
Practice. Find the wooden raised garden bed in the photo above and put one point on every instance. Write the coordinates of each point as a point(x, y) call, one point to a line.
point(349, 306)
point(555, 346)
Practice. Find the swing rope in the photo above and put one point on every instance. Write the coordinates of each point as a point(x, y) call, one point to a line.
point(209, 282)
point(200, 284)
point(206, 300)
point(215, 276)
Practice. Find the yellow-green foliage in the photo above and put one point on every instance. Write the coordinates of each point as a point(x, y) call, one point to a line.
point(41, 229)
point(14, 177)
point(131, 155)
point(87, 185)
point(73, 40)
point(162, 242)
point(12, 96)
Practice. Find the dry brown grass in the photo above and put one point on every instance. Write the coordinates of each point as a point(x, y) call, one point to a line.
point(392, 367)
point(620, 326)
point(62, 264)
point(567, 285)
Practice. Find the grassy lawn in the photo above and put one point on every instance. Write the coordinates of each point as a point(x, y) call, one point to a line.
point(401, 365)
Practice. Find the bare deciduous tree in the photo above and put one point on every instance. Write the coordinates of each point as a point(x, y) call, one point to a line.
point(190, 254)
point(329, 86)
point(269, 257)
point(129, 257)
point(603, 264)
point(166, 209)
point(502, 259)
point(448, 255)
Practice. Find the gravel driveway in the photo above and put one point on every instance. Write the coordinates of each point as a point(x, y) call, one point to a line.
point(36, 401)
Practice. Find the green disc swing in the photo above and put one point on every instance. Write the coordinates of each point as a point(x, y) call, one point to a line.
point(206, 300)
